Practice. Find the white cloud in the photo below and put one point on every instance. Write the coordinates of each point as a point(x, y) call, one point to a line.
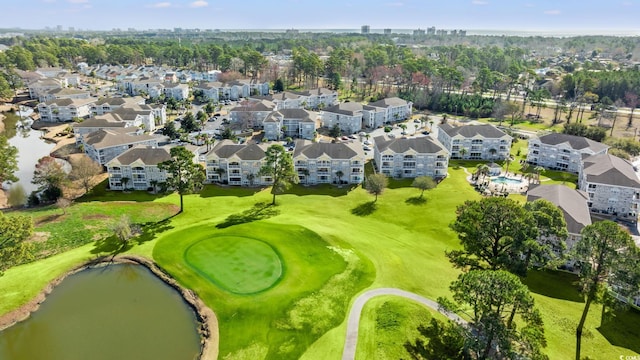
point(198, 4)
point(164, 4)
point(552, 12)
point(479, 2)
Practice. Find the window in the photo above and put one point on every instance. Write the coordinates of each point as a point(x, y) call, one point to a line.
point(592, 186)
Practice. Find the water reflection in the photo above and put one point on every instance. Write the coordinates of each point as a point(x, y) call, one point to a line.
point(31, 147)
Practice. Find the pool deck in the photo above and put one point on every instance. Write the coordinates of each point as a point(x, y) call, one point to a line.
point(487, 187)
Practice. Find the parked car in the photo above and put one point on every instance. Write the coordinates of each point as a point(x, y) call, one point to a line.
point(352, 137)
point(367, 142)
point(344, 138)
point(391, 135)
point(426, 132)
point(366, 148)
point(417, 121)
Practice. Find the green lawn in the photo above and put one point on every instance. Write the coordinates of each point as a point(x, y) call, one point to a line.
point(236, 264)
point(333, 244)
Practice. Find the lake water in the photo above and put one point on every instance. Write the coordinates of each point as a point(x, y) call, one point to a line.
point(31, 148)
point(114, 312)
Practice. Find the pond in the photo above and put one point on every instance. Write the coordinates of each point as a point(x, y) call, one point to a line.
point(112, 312)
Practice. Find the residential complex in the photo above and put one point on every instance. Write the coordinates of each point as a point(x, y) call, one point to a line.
point(137, 168)
point(236, 164)
point(476, 142)
point(557, 151)
point(294, 123)
point(612, 185)
point(65, 110)
point(408, 158)
point(329, 163)
point(104, 145)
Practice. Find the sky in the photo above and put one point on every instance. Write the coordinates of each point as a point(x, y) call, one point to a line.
point(580, 16)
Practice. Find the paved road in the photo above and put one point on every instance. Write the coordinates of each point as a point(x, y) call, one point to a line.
point(349, 352)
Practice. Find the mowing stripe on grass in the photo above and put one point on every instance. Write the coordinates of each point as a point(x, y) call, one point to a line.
point(237, 264)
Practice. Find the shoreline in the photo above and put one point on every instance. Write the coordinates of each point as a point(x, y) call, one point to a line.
point(206, 318)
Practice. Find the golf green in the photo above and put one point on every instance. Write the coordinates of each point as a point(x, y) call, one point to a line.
point(236, 264)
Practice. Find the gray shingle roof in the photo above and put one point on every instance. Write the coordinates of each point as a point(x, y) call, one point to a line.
point(389, 102)
point(573, 204)
point(576, 142)
point(611, 170)
point(99, 122)
point(301, 114)
point(338, 151)
point(226, 149)
point(469, 131)
point(421, 145)
point(149, 155)
point(253, 105)
point(106, 138)
point(69, 102)
point(348, 108)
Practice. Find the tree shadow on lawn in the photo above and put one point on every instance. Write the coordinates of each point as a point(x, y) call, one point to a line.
point(364, 209)
point(620, 327)
point(321, 189)
point(554, 284)
point(416, 200)
point(259, 211)
point(214, 190)
point(113, 246)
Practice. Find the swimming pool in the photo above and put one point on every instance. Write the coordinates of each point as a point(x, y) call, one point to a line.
point(506, 180)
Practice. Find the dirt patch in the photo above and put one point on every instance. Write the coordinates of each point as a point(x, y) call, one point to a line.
point(39, 236)
point(96, 217)
point(48, 219)
point(208, 322)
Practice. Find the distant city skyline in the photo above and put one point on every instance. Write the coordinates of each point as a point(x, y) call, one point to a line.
point(538, 16)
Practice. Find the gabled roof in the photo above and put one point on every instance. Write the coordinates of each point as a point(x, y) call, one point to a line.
point(120, 100)
point(301, 114)
point(286, 95)
point(148, 155)
point(105, 138)
point(389, 102)
point(469, 131)
point(575, 142)
point(348, 108)
point(573, 204)
point(70, 102)
point(421, 145)
point(206, 85)
point(610, 170)
point(226, 149)
point(97, 122)
point(67, 91)
point(254, 105)
point(338, 151)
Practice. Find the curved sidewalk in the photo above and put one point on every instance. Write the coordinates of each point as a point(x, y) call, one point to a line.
point(351, 341)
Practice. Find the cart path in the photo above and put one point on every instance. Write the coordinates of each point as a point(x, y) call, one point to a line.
point(353, 322)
